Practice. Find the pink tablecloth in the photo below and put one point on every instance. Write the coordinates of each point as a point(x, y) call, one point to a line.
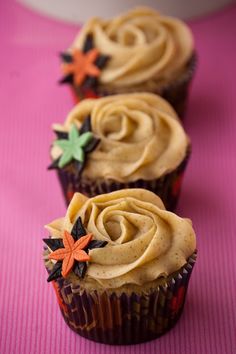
point(30, 100)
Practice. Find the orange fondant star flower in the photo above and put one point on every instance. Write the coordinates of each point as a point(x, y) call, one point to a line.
point(82, 65)
point(72, 251)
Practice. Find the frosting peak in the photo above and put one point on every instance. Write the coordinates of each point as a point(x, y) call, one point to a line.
point(145, 242)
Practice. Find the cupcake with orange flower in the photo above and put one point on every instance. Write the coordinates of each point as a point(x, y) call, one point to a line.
point(140, 50)
point(120, 265)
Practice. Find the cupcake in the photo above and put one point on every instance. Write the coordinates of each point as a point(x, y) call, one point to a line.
point(120, 265)
point(121, 141)
point(138, 51)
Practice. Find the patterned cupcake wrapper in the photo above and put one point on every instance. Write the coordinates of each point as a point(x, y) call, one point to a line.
point(112, 318)
point(176, 93)
point(166, 187)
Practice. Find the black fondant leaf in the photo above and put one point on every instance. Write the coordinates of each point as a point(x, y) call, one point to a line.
point(68, 79)
point(88, 45)
point(90, 81)
point(92, 145)
point(78, 230)
point(54, 164)
point(53, 243)
point(96, 244)
point(66, 57)
point(101, 61)
point(80, 269)
point(61, 135)
point(79, 166)
point(86, 126)
point(56, 272)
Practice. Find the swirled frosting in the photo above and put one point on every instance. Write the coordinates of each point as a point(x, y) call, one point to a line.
point(140, 137)
point(145, 242)
point(142, 45)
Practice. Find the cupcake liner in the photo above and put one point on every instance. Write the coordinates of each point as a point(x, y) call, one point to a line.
point(166, 187)
point(120, 318)
point(175, 92)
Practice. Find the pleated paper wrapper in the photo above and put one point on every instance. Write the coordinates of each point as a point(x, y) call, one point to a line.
point(121, 318)
point(167, 187)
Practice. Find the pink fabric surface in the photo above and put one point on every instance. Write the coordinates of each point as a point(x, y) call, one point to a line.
point(30, 101)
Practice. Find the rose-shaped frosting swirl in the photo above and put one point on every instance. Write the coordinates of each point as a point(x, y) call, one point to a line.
point(145, 242)
point(140, 137)
point(142, 45)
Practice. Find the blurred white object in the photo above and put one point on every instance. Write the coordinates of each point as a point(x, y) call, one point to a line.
point(78, 11)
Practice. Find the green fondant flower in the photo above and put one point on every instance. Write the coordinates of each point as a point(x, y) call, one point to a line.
point(73, 148)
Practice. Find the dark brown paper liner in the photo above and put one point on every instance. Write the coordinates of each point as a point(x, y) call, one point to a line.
point(166, 187)
point(120, 318)
point(175, 92)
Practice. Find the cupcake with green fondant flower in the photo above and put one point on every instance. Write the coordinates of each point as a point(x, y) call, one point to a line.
point(120, 265)
point(74, 146)
point(121, 141)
